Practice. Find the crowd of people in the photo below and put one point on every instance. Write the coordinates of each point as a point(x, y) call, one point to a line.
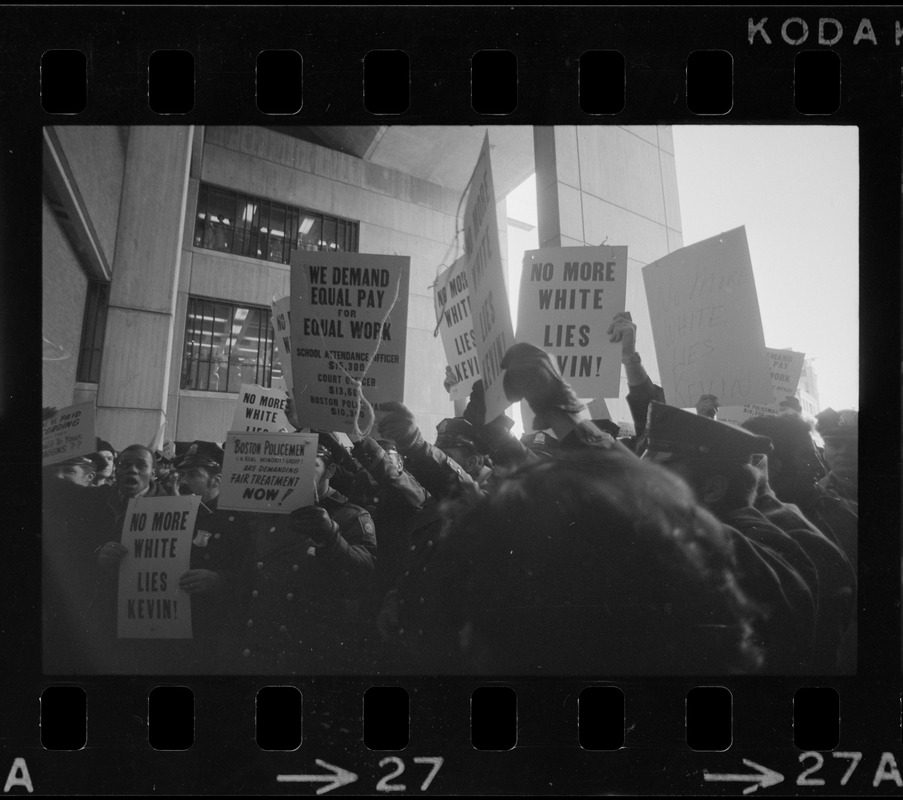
point(692, 546)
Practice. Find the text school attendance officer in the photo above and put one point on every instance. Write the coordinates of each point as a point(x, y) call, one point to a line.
point(302, 585)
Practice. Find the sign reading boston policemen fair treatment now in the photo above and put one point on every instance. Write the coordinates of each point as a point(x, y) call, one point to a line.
point(488, 295)
point(68, 433)
point(706, 324)
point(157, 533)
point(568, 296)
point(349, 323)
point(786, 367)
point(259, 409)
point(268, 472)
point(452, 303)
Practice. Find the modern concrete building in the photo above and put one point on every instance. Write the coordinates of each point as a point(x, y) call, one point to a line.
point(164, 246)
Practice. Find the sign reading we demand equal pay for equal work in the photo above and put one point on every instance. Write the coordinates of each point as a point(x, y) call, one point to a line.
point(346, 307)
point(268, 472)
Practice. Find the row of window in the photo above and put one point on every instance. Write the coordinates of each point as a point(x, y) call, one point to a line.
point(237, 223)
point(227, 344)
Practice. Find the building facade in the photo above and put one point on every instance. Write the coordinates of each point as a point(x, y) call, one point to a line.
point(165, 246)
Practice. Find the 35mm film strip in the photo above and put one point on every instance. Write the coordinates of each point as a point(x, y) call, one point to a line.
point(316, 82)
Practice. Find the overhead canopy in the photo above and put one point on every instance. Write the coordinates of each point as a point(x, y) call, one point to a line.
point(440, 154)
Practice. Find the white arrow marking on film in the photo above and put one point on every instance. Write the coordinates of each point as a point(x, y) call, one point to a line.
point(340, 777)
point(766, 777)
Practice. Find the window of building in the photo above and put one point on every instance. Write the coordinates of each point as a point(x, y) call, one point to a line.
point(237, 223)
point(227, 345)
point(94, 324)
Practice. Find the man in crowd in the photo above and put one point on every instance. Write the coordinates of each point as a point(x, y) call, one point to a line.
point(302, 585)
point(715, 459)
point(104, 460)
point(595, 564)
point(79, 470)
point(840, 431)
point(219, 549)
point(794, 471)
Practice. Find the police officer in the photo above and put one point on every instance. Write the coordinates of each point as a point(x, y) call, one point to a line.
point(716, 461)
point(303, 583)
point(79, 470)
point(219, 548)
point(840, 431)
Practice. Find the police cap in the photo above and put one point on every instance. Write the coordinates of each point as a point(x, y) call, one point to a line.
point(674, 433)
point(456, 432)
point(832, 424)
point(205, 455)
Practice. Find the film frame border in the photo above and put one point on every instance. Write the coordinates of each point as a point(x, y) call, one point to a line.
point(656, 43)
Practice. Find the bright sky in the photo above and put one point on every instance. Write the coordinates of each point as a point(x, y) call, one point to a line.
point(796, 189)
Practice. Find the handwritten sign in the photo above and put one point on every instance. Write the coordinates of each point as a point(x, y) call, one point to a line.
point(268, 472)
point(157, 532)
point(69, 433)
point(452, 303)
point(346, 307)
point(488, 296)
point(568, 296)
point(706, 324)
point(259, 409)
point(786, 367)
point(282, 335)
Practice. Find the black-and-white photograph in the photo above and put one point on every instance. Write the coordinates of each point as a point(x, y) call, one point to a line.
point(450, 400)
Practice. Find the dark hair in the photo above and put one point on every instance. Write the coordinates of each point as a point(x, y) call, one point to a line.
point(598, 564)
point(144, 447)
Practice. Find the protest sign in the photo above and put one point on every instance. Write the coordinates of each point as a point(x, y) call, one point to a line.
point(706, 324)
point(259, 409)
point(157, 532)
point(69, 433)
point(452, 303)
point(488, 296)
point(349, 323)
point(786, 367)
point(268, 472)
point(281, 322)
point(568, 296)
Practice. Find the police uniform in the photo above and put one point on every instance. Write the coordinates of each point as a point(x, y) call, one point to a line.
point(774, 569)
point(299, 609)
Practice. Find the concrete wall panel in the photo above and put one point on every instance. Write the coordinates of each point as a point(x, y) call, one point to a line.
point(646, 241)
point(96, 156)
point(63, 302)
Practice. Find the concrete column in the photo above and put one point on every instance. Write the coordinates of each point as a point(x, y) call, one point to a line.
point(134, 379)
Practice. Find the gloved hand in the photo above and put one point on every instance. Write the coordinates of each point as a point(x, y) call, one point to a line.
point(531, 374)
point(200, 581)
point(396, 422)
point(109, 556)
point(315, 524)
point(623, 330)
point(707, 406)
point(492, 434)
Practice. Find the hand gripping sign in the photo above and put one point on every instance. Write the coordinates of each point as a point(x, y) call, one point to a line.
point(268, 472)
point(706, 324)
point(348, 336)
point(157, 533)
point(568, 296)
